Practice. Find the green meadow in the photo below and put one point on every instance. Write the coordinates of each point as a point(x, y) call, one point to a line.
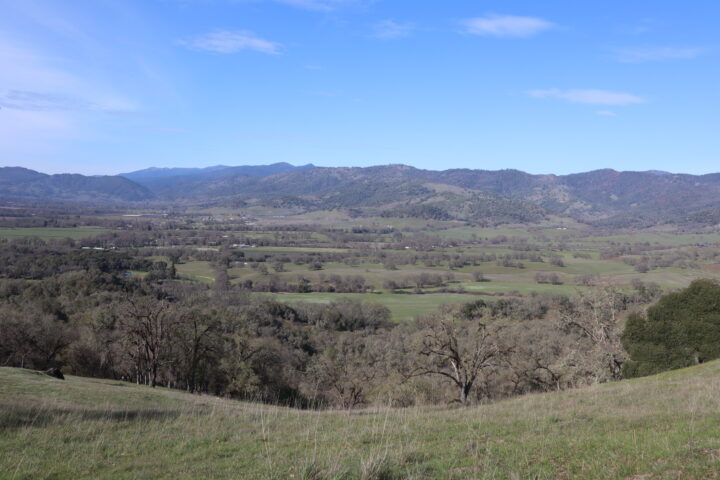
point(662, 427)
point(402, 306)
point(52, 233)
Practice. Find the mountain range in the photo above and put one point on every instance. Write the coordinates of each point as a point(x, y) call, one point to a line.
point(165, 177)
point(600, 196)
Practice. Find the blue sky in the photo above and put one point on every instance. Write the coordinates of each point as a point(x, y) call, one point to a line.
point(110, 86)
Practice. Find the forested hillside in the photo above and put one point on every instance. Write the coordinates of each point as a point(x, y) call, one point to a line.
point(602, 197)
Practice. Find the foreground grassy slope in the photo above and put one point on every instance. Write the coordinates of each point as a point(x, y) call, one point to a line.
point(661, 427)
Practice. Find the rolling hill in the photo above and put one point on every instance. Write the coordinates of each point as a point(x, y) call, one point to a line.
point(18, 184)
point(661, 427)
point(600, 197)
point(626, 198)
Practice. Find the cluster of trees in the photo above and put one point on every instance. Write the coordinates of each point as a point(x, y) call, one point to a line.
point(548, 277)
point(682, 329)
point(32, 259)
point(177, 334)
point(77, 309)
point(674, 258)
point(300, 284)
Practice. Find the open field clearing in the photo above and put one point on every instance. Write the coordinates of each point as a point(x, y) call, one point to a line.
point(402, 307)
point(197, 270)
point(52, 233)
point(662, 427)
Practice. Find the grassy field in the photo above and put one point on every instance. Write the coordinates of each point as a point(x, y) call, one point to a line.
point(662, 427)
point(402, 307)
point(48, 233)
point(200, 271)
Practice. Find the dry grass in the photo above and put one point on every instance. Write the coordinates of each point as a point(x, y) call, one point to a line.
point(655, 428)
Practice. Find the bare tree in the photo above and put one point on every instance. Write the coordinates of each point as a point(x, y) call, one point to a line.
point(539, 360)
point(459, 351)
point(147, 323)
point(595, 316)
point(196, 340)
point(346, 369)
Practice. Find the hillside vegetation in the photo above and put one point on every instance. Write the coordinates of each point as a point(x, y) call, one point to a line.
point(601, 197)
point(659, 427)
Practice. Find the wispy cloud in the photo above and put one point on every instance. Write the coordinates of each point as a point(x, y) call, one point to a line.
point(390, 29)
point(656, 54)
point(45, 102)
point(590, 96)
point(506, 26)
point(223, 41)
point(645, 25)
point(42, 101)
point(606, 113)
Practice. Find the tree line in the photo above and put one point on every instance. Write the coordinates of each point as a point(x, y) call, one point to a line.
point(83, 314)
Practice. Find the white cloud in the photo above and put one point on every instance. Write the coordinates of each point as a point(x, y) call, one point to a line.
point(606, 113)
point(506, 26)
point(590, 96)
point(223, 41)
point(389, 29)
point(654, 54)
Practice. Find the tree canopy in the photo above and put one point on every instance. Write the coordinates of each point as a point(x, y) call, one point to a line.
point(682, 329)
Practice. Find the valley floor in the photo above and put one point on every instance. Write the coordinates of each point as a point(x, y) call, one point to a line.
point(662, 427)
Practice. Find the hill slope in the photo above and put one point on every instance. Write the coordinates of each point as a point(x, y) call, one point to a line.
point(659, 427)
point(17, 183)
point(601, 197)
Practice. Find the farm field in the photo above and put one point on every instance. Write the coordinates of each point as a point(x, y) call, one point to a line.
point(200, 271)
point(402, 306)
point(579, 259)
point(52, 233)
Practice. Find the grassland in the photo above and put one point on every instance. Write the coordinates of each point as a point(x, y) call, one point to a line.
point(579, 247)
point(200, 271)
point(402, 307)
point(502, 279)
point(52, 233)
point(662, 427)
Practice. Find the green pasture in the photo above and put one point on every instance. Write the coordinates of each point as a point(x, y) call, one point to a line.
point(200, 271)
point(52, 232)
point(402, 306)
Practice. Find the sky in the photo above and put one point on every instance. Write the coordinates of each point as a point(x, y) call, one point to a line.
point(552, 86)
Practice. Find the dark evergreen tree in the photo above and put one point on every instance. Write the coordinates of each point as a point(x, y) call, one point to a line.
point(682, 329)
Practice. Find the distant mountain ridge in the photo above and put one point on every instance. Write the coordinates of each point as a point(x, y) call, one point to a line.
point(164, 177)
point(600, 196)
point(17, 183)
